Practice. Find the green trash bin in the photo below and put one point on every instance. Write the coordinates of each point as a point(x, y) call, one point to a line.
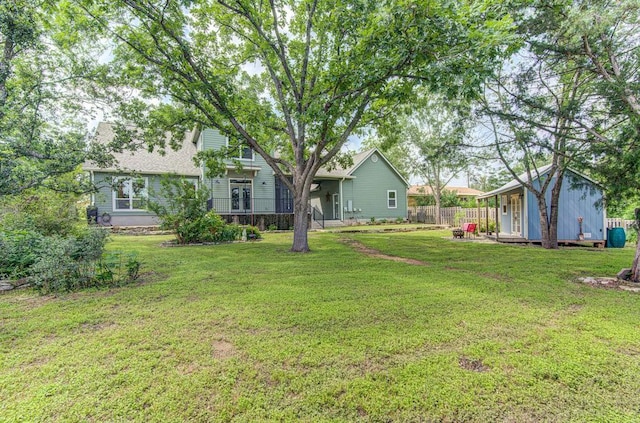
point(616, 238)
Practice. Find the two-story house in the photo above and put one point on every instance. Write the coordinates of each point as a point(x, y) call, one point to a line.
point(252, 193)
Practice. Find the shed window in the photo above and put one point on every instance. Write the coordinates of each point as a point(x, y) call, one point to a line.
point(129, 193)
point(392, 199)
point(504, 204)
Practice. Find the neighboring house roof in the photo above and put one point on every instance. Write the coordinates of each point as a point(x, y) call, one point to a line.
point(142, 161)
point(358, 159)
point(515, 183)
point(417, 190)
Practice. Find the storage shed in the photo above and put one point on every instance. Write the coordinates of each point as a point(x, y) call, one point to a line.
point(581, 213)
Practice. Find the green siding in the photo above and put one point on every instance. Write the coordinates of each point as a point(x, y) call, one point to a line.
point(103, 199)
point(369, 191)
point(263, 187)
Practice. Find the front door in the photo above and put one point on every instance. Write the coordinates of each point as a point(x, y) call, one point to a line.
point(516, 215)
point(336, 206)
point(240, 196)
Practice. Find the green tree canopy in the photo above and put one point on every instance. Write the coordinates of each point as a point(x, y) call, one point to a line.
point(43, 97)
point(293, 79)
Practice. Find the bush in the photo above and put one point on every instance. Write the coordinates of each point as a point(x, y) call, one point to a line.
point(253, 232)
point(45, 212)
point(492, 227)
point(58, 263)
point(19, 250)
point(185, 213)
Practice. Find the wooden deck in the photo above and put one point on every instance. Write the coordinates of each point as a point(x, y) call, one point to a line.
point(513, 239)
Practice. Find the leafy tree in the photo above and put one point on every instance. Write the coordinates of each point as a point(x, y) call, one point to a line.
point(530, 108)
point(293, 79)
point(448, 198)
point(600, 39)
point(42, 127)
point(435, 133)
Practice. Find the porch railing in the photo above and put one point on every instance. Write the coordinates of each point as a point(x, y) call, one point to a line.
point(317, 216)
point(250, 205)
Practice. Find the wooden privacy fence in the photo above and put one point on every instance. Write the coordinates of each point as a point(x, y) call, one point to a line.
point(616, 222)
point(448, 215)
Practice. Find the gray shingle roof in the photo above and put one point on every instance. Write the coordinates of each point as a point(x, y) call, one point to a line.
point(142, 161)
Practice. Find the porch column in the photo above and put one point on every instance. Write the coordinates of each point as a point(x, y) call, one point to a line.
point(486, 214)
point(479, 217)
point(341, 200)
point(497, 221)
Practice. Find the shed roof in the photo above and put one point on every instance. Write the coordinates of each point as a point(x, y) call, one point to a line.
point(142, 161)
point(515, 183)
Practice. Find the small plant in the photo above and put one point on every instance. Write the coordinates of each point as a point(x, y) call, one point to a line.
point(458, 218)
point(373, 220)
point(253, 232)
point(399, 220)
point(272, 227)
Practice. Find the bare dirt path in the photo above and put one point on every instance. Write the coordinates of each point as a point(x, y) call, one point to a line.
point(377, 254)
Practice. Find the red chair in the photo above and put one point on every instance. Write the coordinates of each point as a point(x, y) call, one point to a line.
point(469, 228)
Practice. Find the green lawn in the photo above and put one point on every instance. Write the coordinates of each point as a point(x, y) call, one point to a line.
point(251, 332)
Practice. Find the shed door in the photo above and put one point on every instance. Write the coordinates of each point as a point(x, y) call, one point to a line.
point(516, 215)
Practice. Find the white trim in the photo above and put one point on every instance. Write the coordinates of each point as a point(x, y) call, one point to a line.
point(231, 209)
point(525, 213)
point(395, 198)
point(516, 204)
point(336, 196)
point(114, 199)
point(341, 199)
point(92, 179)
point(604, 220)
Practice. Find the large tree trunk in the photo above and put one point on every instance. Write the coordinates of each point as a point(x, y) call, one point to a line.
point(300, 218)
point(548, 224)
point(549, 219)
point(635, 271)
point(544, 223)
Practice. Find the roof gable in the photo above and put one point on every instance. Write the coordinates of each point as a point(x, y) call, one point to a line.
point(358, 160)
point(515, 183)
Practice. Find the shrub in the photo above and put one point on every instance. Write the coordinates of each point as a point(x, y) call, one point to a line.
point(185, 213)
point(19, 250)
point(42, 211)
point(482, 228)
point(253, 232)
point(230, 232)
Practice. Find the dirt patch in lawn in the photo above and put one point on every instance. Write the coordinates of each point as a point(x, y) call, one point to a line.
point(377, 254)
point(610, 283)
point(472, 364)
point(223, 349)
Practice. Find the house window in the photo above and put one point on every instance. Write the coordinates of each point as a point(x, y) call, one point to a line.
point(246, 152)
point(504, 204)
point(129, 193)
point(392, 199)
point(284, 198)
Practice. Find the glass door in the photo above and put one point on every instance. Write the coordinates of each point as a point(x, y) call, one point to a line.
point(336, 206)
point(516, 215)
point(240, 195)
